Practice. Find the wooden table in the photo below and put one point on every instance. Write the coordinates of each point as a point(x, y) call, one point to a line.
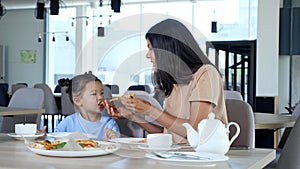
point(19, 111)
point(273, 121)
point(14, 154)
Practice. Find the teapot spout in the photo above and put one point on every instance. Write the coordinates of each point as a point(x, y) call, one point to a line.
point(192, 135)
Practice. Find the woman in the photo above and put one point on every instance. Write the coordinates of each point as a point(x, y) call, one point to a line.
point(191, 83)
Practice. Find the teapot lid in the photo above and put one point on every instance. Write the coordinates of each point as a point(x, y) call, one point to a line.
point(210, 125)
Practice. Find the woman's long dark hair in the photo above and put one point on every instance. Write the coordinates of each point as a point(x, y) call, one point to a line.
point(177, 53)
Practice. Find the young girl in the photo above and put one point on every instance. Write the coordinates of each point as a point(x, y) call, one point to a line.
point(86, 93)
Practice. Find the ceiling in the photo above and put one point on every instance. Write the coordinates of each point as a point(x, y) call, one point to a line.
point(24, 4)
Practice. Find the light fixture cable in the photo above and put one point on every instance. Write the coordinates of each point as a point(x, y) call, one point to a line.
point(65, 33)
point(2, 10)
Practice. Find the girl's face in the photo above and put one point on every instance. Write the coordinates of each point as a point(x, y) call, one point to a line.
point(150, 55)
point(91, 99)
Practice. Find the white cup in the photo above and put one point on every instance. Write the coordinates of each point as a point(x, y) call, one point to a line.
point(25, 129)
point(159, 140)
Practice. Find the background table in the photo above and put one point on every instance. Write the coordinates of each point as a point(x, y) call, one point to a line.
point(19, 111)
point(273, 121)
point(14, 154)
point(267, 124)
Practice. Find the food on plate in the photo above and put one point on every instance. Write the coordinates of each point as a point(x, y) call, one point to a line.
point(130, 95)
point(47, 145)
point(56, 145)
point(143, 140)
point(87, 143)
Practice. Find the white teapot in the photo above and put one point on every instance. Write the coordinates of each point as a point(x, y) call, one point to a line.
point(212, 135)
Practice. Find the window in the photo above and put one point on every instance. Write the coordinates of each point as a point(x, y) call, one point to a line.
point(119, 56)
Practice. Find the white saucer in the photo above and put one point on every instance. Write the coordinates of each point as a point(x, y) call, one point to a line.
point(147, 148)
point(20, 137)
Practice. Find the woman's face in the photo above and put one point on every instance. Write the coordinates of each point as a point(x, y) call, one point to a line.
point(150, 54)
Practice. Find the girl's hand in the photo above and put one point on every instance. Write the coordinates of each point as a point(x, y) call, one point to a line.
point(44, 130)
point(109, 134)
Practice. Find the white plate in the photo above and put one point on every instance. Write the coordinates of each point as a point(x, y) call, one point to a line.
point(59, 134)
point(128, 140)
point(20, 137)
point(210, 159)
point(129, 143)
point(65, 134)
point(147, 148)
point(83, 153)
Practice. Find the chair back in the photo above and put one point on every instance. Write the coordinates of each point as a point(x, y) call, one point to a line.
point(288, 130)
point(145, 88)
point(3, 94)
point(230, 94)
point(50, 105)
point(107, 92)
point(107, 96)
point(15, 87)
point(290, 156)
point(31, 98)
point(241, 112)
point(67, 106)
point(113, 88)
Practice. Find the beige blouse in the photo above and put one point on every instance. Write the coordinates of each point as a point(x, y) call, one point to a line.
point(206, 86)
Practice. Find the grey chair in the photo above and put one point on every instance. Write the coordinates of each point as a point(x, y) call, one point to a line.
point(113, 88)
point(107, 96)
point(50, 105)
point(231, 94)
point(31, 98)
point(287, 131)
point(289, 156)
point(145, 88)
point(67, 106)
point(4, 98)
point(241, 112)
point(15, 87)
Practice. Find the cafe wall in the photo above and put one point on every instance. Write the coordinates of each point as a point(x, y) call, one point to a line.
point(24, 56)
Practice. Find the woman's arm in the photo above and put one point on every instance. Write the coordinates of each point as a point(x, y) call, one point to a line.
point(199, 111)
point(122, 112)
point(146, 125)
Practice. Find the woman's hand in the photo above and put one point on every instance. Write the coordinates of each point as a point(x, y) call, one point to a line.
point(112, 110)
point(137, 105)
point(109, 134)
point(117, 113)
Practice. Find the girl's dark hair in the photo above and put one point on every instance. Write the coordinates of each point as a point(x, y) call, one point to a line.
point(177, 53)
point(77, 83)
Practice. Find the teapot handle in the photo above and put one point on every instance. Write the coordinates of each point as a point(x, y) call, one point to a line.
point(236, 133)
